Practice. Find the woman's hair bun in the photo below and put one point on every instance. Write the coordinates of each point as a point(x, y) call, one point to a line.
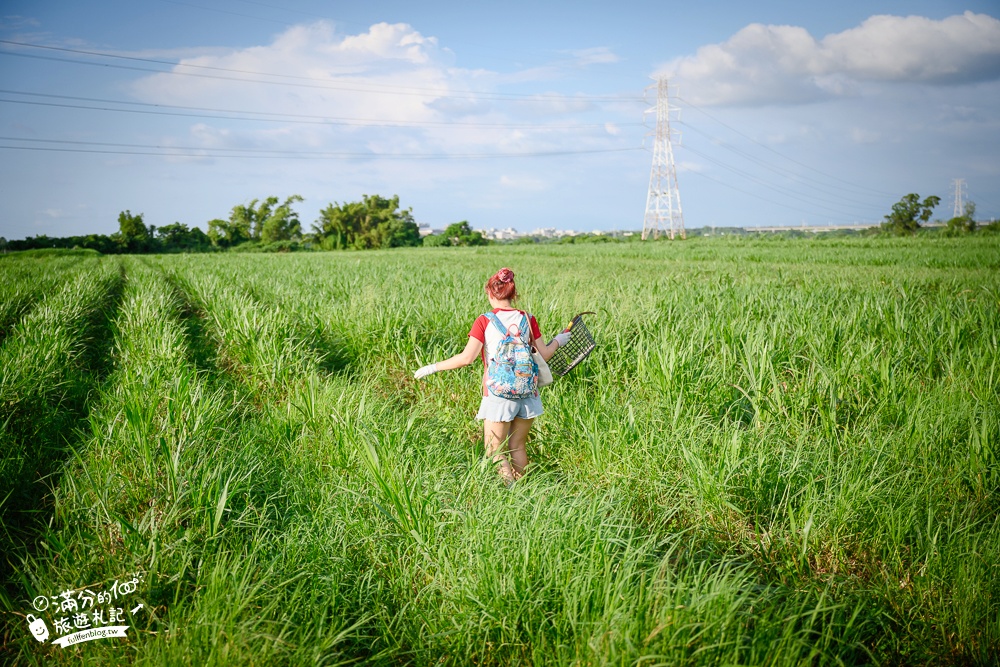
point(501, 285)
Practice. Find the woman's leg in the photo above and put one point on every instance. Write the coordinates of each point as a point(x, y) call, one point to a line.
point(518, 437)
point(495, 438)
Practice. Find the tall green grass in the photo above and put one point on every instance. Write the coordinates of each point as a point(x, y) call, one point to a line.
point(782, 452)
point(26, 281)
point(49, 363)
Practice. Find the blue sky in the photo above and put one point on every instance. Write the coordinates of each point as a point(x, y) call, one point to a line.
point(512, 114)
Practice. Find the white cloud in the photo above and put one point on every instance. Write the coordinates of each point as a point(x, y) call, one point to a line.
point(957, 49)
point(339, 85)
point(780, 64)
point(311, 71)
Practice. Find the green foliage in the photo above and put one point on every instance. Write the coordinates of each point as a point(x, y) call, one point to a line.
point(960, 226)
point(266, 221)
point(56, 252)
point(178, 237)
point(436, 241)
point(461, 234)
point(101, 243)
point(908, 213)
point(588, 238)
point(373, 222)
point(963, 224)
point(133, 235)
point(277, 246)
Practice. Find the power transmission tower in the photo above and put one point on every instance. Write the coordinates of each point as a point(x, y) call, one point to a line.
point(663, 201)
point(959, 197)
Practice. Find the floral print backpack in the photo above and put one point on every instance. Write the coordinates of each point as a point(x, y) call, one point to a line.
point(511, 372)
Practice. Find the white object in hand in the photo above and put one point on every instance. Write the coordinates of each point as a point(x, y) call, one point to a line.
point(562, 338)
point(425, 371)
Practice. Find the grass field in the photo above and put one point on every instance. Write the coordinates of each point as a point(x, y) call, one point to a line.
point(782, 452)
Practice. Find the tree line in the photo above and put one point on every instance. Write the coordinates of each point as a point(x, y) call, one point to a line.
point(910, 211)
point(270, 225)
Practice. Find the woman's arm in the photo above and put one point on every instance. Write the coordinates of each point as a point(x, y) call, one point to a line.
point(463, 358)
point(546, 350)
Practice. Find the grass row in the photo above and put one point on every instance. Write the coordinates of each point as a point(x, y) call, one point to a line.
point(26, 280)
point(49, 364)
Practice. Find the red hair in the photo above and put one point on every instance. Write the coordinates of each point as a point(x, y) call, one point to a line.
point(501, 286)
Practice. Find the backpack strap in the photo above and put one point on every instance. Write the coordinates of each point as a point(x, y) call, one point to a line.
point(492, 317)
point(525, 325)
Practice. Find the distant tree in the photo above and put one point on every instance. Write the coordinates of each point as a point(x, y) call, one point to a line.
point(460, 233)
point(265, 221)
point(436, 241)
point(178, 237)
point(133, 235)
point(908, 213)
point(338, 225)
point(963, 224)
point(102, 243)
point(3, 245)
point(280, 223)
point(373, 222)
point(221, 234)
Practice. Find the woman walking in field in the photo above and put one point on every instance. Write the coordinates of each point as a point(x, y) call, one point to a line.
point(506, 421)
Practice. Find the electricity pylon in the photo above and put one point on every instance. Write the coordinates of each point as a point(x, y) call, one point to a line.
point(959, 197)
point(663, 201)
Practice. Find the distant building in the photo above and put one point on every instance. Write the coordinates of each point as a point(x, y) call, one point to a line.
point(426, 230)
point(552, 232)
point(493, 234)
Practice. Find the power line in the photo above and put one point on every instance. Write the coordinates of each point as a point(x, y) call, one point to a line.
point(979, 199)
point(169, 151)
point(370, 87)
point(755, 196)
point(781, 171)
point(779, 154)
point(785, 191)
point(337, 21)
point(267, 116)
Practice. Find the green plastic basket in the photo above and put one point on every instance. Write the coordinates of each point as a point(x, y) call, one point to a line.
point(581, 343)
